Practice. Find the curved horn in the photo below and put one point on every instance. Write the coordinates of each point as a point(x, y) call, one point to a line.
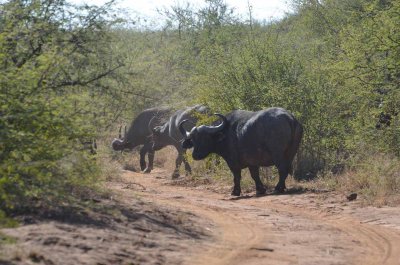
point(218, 128)
point(119, 134)
point(183, 131)
point(150, 125)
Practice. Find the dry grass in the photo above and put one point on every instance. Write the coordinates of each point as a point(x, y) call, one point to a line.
point(109, 161)
point(377, 178)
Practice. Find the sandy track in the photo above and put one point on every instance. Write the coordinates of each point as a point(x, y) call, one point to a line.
point(150, 219)
point(280, 229)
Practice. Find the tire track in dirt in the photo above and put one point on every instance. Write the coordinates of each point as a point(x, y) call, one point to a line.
point(233, 234)
point(378, 242)
point(268, 230)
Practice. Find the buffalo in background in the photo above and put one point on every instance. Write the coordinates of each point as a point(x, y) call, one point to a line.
point(247, 139)
point(168, 134)
point(139, 134)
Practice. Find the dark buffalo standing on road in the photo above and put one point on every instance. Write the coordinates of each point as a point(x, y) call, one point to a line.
point(139, 134)
point(168, 134)
point(247, 139)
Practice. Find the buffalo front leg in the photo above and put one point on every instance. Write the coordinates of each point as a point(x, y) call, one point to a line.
point(188, 169)
point(150, 156)
point(146, 149)
point(255, 174)
point(237, 176)
point(143, 152)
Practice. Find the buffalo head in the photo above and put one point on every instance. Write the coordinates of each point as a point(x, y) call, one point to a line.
point(120, 143)
point(203, 138)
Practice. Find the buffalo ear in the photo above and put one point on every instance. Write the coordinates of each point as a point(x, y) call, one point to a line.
point(187, 144)
point(219, 136)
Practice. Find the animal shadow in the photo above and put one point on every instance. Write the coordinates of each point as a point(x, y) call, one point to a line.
point(290, 191)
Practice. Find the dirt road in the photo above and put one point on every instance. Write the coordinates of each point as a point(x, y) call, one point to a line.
point(151, 219)
point(298, 228)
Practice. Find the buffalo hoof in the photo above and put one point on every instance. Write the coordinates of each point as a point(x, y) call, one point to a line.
point(143, 167)
point(235, 193)
point(261, 191)
point(280, 189)
point(175, 175)
point(147, 170)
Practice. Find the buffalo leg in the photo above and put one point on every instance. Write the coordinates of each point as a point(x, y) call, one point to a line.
point(143, 152)
point(283, 170)
point(188, 169)
point(178, 163)
point(150, 155)
point(255, 174)
point(237, 176)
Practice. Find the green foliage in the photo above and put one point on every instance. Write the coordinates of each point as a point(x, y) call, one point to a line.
point(6, 222)
point(70, 73)
point(370, 66)
point(334, 64)
point(52, 55)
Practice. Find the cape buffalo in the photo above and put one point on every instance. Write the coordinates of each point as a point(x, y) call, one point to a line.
point(168, 134)
point(139, 134)
point(249, 139)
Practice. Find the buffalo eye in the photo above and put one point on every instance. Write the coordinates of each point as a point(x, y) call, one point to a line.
point(219, 136)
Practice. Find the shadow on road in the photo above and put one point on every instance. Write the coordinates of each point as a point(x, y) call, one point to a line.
point(290, 191)
point(111, 214)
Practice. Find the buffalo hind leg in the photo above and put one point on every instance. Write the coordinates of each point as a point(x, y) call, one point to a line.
point(255, 174)
point(143, 152)
point(150, 155)
point(283, 170)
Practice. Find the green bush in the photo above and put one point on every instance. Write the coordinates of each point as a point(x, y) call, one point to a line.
point(334, 64)
point(51, 56)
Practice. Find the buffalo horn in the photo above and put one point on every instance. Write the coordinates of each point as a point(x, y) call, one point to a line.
point(218, 128)
point(150, 125)
point(125, 132)
point(182, 130)
point(119, 135)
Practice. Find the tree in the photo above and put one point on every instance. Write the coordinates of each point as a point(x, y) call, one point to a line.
point(53, 56)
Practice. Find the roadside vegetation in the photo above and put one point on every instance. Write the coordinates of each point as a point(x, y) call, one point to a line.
point(71, 74)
